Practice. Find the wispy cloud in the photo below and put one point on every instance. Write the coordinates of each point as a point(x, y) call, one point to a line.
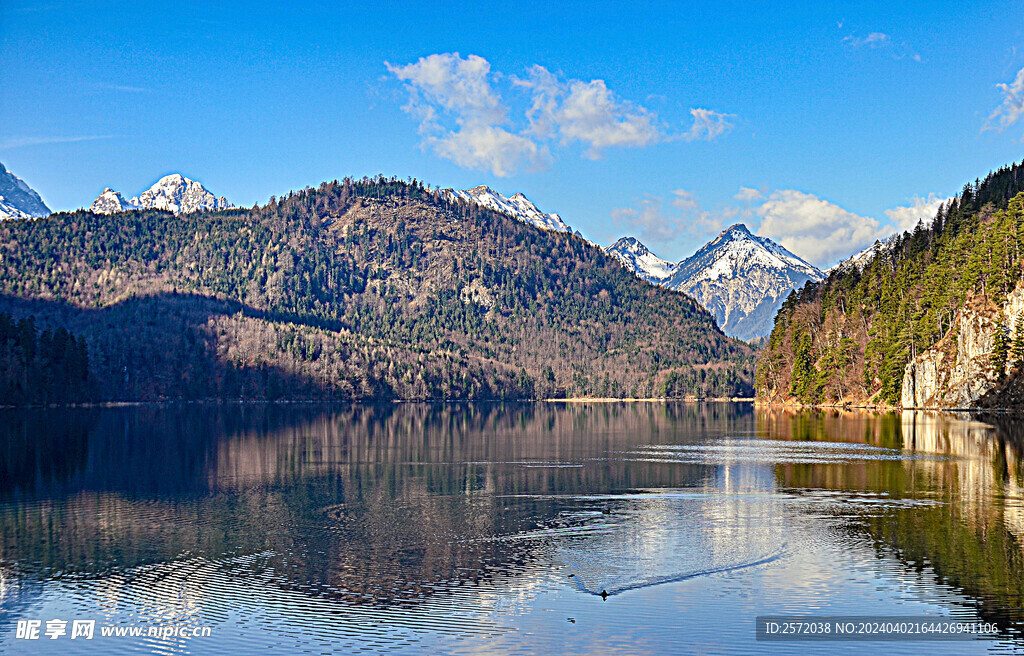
point(873, 40)
point(1012, 108)
point(881, 41)
point(649, 221)
point(660, 223)
point(684, 200)
point(748, 195)
point(465, 119)
point(21, 141)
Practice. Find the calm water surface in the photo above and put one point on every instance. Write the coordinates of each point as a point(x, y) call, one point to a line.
point(543, 528)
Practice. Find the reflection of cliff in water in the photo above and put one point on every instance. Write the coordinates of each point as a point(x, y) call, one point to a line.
point(969, 531)
point(365, 502)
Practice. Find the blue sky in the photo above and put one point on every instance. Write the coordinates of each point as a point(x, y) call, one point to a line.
point(822, 126)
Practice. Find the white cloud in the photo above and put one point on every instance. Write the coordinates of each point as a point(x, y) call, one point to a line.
point(489, 147)
point(462, 89)
point(906, 217)
point(593, 115)
point(708, 124)
point(463, 118)
point(815, 229)
point(1012, 108)
point(546, 91)
point(659, 223)
point(587, 112)
point(458, 85)
point(748, 195)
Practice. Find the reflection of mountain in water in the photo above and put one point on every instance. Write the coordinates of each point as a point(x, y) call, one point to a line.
point(369, 503)
point(956, 510)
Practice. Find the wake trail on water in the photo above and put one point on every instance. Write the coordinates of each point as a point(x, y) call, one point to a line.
point(608, 590)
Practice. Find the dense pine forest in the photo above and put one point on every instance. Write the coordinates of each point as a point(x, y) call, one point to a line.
point(370, 289)
point(850, 337)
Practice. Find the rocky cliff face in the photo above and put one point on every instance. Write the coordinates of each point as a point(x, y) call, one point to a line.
point(958, 371)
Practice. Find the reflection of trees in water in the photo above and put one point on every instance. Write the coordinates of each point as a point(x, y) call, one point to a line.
point(972, 537)
point(881, 429)
point(365, 502)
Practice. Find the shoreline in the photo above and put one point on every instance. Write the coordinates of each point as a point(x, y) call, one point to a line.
point(569, 400)
point(882, 408)
point(574, 399)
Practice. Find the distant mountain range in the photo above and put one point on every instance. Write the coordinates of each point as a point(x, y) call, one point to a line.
point(174, 193)
point(17, 199)
point(740, 278)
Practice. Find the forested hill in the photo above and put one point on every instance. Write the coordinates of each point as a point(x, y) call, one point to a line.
point(365, 289)
point(850, 337)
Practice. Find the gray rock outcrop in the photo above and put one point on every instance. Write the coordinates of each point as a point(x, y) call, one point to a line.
point(958, 370)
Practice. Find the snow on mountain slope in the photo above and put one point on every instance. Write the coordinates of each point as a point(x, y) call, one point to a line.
point(865, 257)
point(17, 199)
point(111, 201)
point(518, 206)
point(742, 279)
point(174, 193)
point(640, 260)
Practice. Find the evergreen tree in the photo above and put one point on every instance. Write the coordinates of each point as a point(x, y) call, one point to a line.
point(1000, 348)
point(804, 374)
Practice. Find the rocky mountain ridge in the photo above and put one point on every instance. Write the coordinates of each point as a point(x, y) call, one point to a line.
point(517, 206)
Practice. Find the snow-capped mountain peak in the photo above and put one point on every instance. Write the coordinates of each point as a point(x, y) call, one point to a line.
point(518, 206)
point(17, 199)
point(111, 201)
point(735, 250)
point(742, 279)
point(640, 260)
point(174, 193)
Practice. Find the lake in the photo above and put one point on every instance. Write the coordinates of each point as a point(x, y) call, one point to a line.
point(591, 528)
